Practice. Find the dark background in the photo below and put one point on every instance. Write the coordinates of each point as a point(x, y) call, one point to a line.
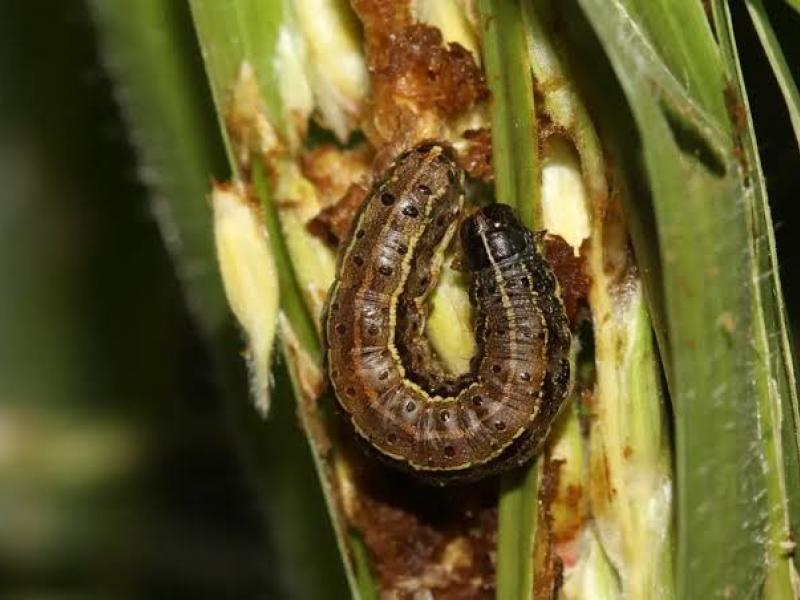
point(121, 476)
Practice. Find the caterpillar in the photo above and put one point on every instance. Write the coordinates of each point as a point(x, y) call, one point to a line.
point(385, 375)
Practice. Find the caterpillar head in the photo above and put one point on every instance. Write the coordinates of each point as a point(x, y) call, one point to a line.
point(493, 235)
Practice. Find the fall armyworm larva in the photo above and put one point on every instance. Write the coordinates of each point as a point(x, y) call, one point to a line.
point(387, 378)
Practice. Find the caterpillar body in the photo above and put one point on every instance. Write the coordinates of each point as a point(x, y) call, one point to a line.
point(386, 377)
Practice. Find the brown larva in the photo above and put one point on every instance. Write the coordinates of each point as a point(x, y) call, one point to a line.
point(386, 376)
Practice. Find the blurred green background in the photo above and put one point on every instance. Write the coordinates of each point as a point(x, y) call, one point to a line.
point(122, 471)
point(119, 473)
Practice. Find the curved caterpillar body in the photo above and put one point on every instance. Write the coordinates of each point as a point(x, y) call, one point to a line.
point(385, 375)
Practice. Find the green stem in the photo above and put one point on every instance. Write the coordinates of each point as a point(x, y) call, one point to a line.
point(514, 137)
point(517, 183)
point(516, 528)
point(292, 303)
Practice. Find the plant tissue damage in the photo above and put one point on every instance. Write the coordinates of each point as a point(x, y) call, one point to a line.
point(419, 539)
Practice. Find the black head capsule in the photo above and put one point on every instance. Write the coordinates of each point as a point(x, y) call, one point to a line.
point(493, 235)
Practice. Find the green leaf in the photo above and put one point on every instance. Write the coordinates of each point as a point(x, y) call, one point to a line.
point(779, 409)
point(777, 61)
point(681, 37)
point(230, 32)
point(702, 224)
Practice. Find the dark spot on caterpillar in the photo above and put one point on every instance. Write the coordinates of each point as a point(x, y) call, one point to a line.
point(385, 270)
point(562, 376)
point(544, 285)
point(391, 438)
point(525, 282)
point(372, 330)
point(384, 375)
point(449, 451)
point(444, 416)
point(341, 328)
point(424, 190)
point(410, 211)
point(452, 177)
point(525, 331)
point(360, 233)
point(500, 425)
point(423, 283)
point(402, 249)
point(350, 391)
point(411, 406)
point(358, 259)
point(477, 401)
point(387, 199)
point(335, 374)
point(496, 368)
point(525, 376)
